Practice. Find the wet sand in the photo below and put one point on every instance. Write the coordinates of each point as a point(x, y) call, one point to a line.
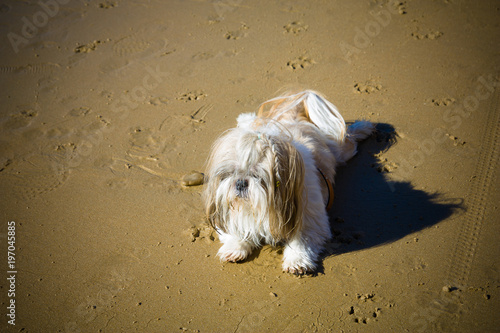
point(106, 105)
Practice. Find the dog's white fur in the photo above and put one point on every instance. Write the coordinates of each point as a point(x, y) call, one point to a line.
point(265, 178)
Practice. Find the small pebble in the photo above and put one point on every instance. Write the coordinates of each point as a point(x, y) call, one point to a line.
point(193, 179)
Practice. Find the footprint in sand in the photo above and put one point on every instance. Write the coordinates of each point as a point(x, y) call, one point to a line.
point(158, 101)
point(201, 232)
point(191, 96)
point(430, 35)
point(129, 48)
point(79, 112)
point(445, 101)
point(30, 69)
point(86, 48)
point(237, 34)
point(33, 158)
point(19, 120)
point(203, 56)
point(400, 6)
point(72, 142)
point(457, 142)
point(367, 310)
point(367, 87)
point(385, 166)
point(31, 176)
point(130, 45)
point(108, 4)
point(295, 27)
point(300, 63)
point(234, 35)
point(208, 55)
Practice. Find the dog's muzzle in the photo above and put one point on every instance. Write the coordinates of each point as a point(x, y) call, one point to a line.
point(241, 188)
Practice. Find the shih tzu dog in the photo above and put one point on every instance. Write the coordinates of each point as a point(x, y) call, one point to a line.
point(269, 180)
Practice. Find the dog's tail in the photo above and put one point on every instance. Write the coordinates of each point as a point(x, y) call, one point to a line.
point(308, 105)
point(311, 106)
point(324, 115)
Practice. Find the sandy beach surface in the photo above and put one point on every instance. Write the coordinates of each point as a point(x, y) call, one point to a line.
point(107, 104)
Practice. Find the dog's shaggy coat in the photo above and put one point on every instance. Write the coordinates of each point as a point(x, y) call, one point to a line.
point(267, 179)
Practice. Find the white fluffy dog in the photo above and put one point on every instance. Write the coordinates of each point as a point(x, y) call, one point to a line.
point(269, 180)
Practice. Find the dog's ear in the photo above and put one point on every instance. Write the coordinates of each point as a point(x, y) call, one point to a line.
point(209, 199)
point(215, 165)
point(286, 202)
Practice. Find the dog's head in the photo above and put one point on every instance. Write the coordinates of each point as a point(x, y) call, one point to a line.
point(254, 180)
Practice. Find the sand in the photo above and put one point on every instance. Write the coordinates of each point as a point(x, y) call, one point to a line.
point(107, 105)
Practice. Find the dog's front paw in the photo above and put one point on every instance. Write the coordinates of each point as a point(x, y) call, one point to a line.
point(298, 267)
point(234, 251)
point(298, 262)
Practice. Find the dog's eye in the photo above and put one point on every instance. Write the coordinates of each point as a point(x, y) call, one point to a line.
point(223, 176)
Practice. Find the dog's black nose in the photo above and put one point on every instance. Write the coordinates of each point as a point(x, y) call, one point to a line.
point(242, 188)
point(241, 184)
